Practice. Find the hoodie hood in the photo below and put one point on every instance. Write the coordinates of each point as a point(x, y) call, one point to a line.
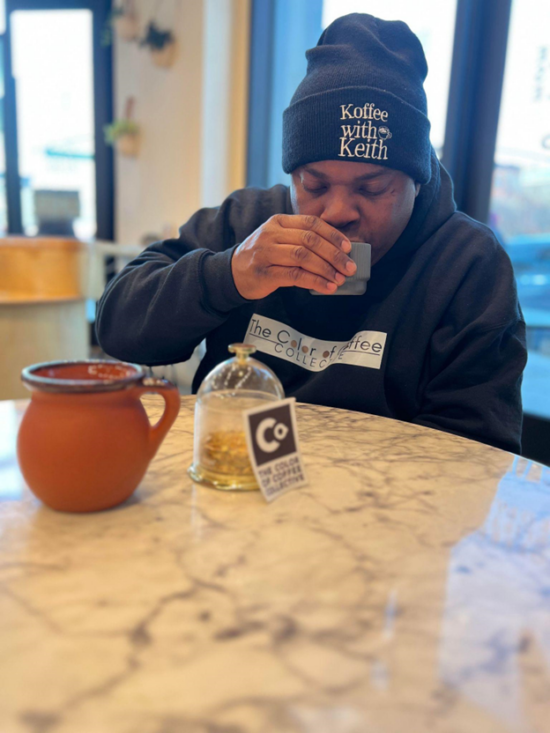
point(434, 205)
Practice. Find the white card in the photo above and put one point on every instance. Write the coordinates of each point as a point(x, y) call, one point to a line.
point(272, 438)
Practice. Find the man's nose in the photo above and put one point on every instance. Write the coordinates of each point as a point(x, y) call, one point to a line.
point(339, 212)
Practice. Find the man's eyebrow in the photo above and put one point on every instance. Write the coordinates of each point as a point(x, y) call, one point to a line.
point(364, 177)
point(313, 172)
point(370, 176)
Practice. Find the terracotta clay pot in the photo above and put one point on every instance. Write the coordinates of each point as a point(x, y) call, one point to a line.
point(85, 440)
point(127, 26)
point(166, 56)
point(128, 145)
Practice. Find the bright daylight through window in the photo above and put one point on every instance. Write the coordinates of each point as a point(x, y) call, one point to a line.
point(56, 150)
point(520, 200)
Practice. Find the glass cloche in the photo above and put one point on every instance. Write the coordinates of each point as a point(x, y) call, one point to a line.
point(220, 455)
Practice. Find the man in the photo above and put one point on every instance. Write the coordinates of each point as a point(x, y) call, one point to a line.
point(438, 338)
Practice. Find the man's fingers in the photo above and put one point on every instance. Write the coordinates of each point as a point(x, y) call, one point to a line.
point(291, 255)
point(316, 225)
point(291, 251)
point(295, 277)
point(307, 239)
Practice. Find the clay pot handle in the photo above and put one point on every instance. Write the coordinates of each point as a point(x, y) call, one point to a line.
point(169, 392)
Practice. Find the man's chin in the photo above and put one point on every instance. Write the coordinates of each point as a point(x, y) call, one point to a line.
point(378, 252)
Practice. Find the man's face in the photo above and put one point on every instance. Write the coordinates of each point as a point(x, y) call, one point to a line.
point(366, 202)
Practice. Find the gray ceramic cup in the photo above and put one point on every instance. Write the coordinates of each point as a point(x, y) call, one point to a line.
point(356, 284)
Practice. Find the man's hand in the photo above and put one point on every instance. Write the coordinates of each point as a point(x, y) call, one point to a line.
point(291, 250)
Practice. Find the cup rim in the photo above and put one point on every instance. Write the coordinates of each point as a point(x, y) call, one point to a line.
point(48, 384)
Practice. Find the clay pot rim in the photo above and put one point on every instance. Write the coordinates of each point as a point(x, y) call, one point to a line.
point(48, 384)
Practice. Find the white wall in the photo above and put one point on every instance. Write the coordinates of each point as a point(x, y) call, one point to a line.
point(192, 116)
point(225, 100)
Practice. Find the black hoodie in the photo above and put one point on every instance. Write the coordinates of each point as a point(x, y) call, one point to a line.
point(438, 339)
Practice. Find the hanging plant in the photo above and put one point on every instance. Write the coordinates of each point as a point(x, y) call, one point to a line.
point(161, 44)
point(124, 133)
point(125, 21)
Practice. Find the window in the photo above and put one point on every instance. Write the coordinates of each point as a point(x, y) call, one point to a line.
point(3, 204)
point(58, 167)
point(282, 31)
point(520, 195)
point(55, 120)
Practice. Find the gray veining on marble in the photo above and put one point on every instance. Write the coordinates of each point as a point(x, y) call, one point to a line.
point(407, 588)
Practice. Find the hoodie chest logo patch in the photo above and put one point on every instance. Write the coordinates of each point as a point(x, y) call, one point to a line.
point(365, 349)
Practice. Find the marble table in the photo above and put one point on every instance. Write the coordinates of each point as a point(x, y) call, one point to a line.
point(407, 588)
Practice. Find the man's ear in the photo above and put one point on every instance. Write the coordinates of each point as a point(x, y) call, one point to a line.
point(416, 189)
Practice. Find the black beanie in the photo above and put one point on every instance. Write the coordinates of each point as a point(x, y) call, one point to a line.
point(361, 99)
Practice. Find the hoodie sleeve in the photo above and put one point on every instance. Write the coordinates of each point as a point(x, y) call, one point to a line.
point(477, 357)
point(166, 301)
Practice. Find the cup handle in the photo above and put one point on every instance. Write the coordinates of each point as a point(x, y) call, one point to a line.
point(171, 396)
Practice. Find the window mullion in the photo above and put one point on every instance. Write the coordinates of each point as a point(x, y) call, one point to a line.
point(477, 75)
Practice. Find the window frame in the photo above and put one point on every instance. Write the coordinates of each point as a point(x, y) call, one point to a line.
point(473, 107)
point(103, 114)
point(279, 32)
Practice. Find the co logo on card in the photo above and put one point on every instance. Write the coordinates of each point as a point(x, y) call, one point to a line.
point(272, 434)
point(279, 430)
